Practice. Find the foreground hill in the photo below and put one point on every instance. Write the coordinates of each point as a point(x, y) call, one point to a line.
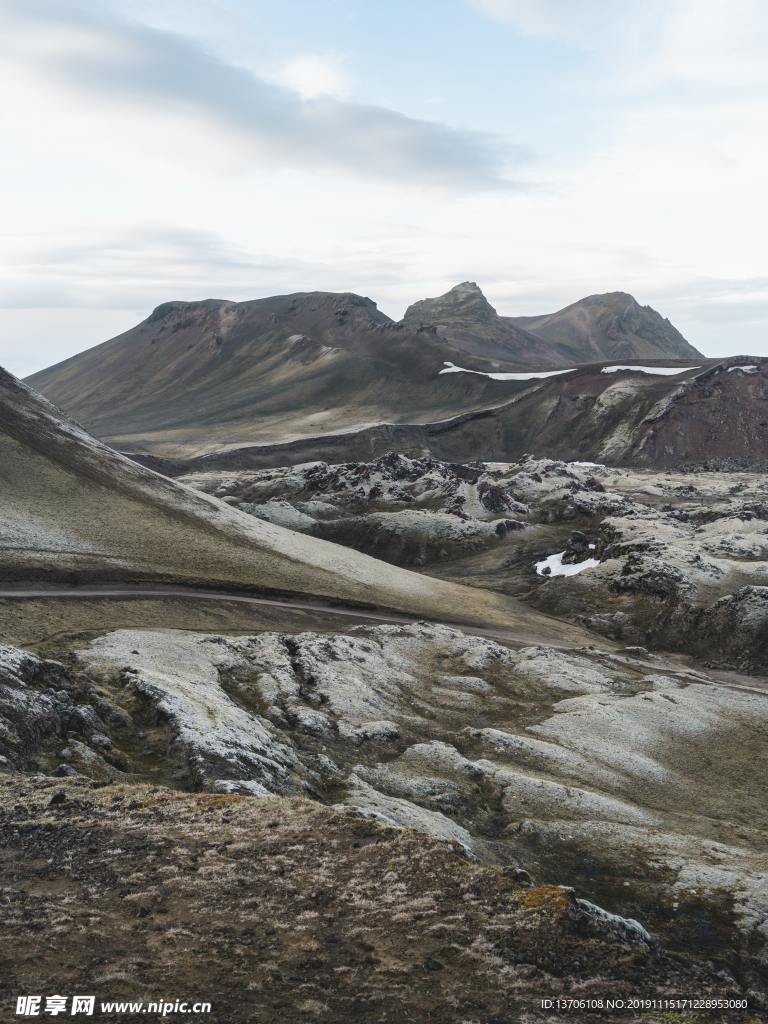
point(197, 376)
point(715, 415)
point(611, 326)
point(72, 509)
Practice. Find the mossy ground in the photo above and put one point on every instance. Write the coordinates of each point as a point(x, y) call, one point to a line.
point(282, 910)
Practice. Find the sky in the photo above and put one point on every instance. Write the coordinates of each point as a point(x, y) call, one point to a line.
point(547, 149)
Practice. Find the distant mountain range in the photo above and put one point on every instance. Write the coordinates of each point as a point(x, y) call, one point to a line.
point(203, 376)
point(611, 326)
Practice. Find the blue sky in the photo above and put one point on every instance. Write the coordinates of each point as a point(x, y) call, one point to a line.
point(547, 149)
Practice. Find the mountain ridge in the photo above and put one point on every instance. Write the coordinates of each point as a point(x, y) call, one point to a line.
point(610, 325)
point(210, 374)
point(715, 415)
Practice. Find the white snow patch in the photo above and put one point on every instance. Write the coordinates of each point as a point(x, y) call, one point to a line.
point(744, 369)
point(535, 375)
point(555, 564)
point(589, 465)
point(665, 371)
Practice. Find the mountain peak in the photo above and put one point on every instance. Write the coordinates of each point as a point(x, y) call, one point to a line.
point(610, 325)
point(464, 302)
point(466, 288)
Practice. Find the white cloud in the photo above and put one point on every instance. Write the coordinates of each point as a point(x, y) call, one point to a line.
point(713, 43)
point(165, 75)
point(583, 22)
point(311, 75)
point(143, 168)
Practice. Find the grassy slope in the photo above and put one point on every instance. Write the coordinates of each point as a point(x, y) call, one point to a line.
point(295, 912)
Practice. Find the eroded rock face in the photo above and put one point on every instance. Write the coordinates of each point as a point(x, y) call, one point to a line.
point(415, 511)
point(416, 537)
point(37, 707)
point(660, 581)
point(579, 766)
point(737, 626)
point(672, 566)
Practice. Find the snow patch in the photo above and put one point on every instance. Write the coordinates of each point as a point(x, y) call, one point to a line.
point(744, 369)
point(663, 371)
point(535, 375)
point(556, 568)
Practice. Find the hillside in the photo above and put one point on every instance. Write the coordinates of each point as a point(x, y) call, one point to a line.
point(73, 510)
point(610, 326)
point(715, 414)
point(198, 376)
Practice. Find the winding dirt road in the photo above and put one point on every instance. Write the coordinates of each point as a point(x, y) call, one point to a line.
point(535, 628)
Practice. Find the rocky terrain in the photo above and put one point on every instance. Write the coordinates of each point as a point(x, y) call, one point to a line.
point(298, 913)
point(378, 715)
point(675, 561)
point(551, 767)
point(683, 564)
point(406, 511)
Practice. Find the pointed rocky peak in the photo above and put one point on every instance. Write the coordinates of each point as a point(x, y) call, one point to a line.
point(464, 303)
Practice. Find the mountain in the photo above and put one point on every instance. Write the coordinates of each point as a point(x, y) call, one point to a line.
point(610, 326)
point(73, 510)
point(209, 376)
point(467, 320)
point(200, 376)
point(715, 414)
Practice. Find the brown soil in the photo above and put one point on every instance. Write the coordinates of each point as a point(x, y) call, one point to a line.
point(282, 910)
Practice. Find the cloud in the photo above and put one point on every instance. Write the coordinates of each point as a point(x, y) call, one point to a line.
point(311, 76)
point(129, 267)
point(709, 43)
point(134, 267)
point(165, 72)
point(714, 45)
point(574, 20)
